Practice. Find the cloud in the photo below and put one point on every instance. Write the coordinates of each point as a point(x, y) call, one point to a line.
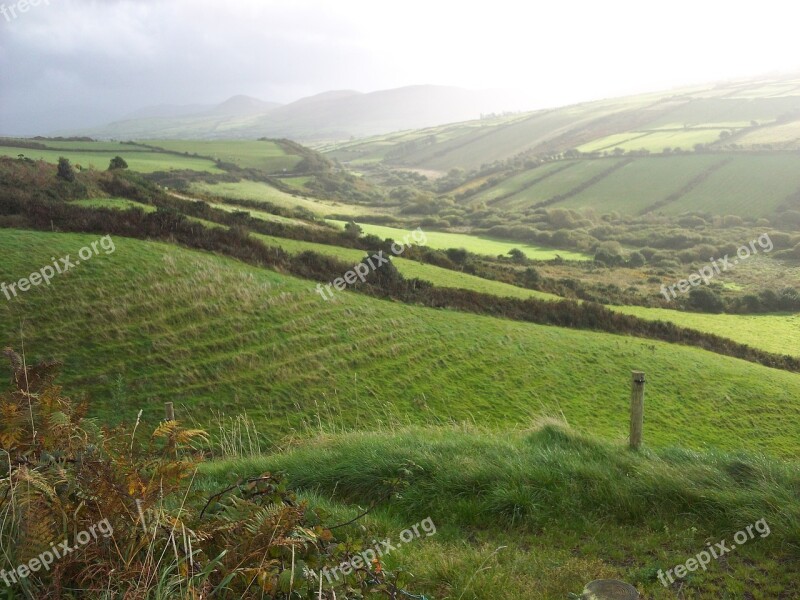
point(80, 62)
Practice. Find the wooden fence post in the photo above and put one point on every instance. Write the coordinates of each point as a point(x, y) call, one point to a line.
point(637, 410)
point(170, 411)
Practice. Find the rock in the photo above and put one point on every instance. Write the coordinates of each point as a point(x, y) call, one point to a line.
point(609, 589)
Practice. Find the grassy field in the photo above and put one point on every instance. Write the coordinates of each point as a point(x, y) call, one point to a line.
point(545, 511)
point(640, 184)
point(266, 156)
point(476, 244)
point(412, 269)
point(257, 214)
point(513, 185)
point(655, 140)
point(749, 185)
point(562, 182)
point(144, 162)
point(262, 192)
point(151, 322)
point(116, 203)
point(779, 334)
point(775, 333)
point(116, 147)
point(785, 136)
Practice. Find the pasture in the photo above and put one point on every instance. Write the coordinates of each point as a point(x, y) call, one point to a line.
point(215, 336)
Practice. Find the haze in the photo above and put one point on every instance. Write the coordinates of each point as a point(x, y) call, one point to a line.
point(81, 63)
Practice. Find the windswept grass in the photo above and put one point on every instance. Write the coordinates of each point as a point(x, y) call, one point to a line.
point(565, 508)
point(214, 335)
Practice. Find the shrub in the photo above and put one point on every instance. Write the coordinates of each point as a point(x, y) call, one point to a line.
point(65, 170)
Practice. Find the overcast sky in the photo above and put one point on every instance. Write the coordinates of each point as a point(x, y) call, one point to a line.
point(68, 63)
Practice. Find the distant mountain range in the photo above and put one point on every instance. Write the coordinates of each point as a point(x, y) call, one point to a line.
point(335, 115)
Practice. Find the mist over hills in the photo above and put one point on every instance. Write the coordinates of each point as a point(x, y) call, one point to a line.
point(333, 115)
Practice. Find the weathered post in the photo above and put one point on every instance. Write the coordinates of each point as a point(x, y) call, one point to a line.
point(637, 410)
point(170, 411)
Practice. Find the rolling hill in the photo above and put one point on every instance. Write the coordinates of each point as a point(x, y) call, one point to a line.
point(336, 115)
point(752, 114)
point(723, 149)
point(152, 322)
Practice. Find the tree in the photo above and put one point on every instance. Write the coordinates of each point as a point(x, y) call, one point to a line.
point(531, 277)
point(636, 259)
point(517, 255)
point(65, 170)
point(457, 255)
point(353, 230)
point(705, 299)
point(117, 163)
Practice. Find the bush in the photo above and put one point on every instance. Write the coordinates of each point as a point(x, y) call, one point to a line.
point(65, 170)
point(117, 163)
point(704, 299)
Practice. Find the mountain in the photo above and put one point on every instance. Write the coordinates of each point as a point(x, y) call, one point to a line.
point(333, 115)
point(169, 111)
point(242, 105)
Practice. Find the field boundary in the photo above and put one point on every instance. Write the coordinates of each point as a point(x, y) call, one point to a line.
point(530, 184)
point(584, 186)
point(688, 187)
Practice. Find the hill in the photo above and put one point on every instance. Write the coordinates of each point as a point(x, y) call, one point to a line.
point(755, 114)
point(331, 115)
point(151, 321)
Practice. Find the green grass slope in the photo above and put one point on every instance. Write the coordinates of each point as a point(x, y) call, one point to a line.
point(477, 244)
point(744, 184)
point(144, 162)
point(152, 322)
point(545, 511)
point(267, 156)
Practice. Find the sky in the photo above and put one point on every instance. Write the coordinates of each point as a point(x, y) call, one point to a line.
point(79, 63)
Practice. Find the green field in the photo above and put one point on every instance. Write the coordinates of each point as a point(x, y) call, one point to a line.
point(257, 214)
point(774, 333)
point(267, 156)
point(750, 185)
point(779, 334)
point(262, 192)
point(562, 182)
point(640, 184)
point(655, 141)
point(515, 184)
point(116, 203)
point(144, 162)
point(412, 270)
point(478, 245)
point(117, 147)
point(151, 321)
point(785, 136)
